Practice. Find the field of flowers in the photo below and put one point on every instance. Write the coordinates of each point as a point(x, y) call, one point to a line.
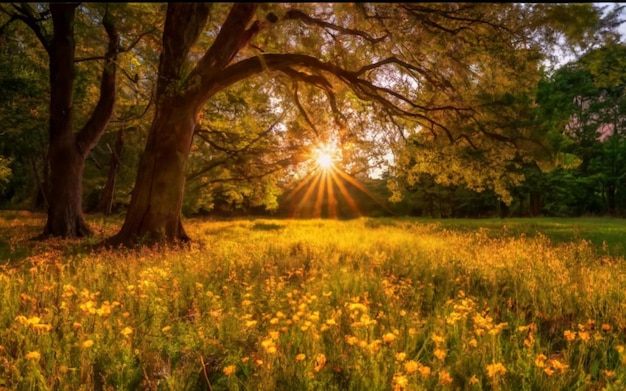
point(364, 304)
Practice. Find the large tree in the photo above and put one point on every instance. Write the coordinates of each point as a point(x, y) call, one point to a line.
point(441, 68)
point(67, 149)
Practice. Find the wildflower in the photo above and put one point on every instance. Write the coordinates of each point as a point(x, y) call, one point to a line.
point(400, 356)
point(300, 357)
point(126, 331)
point(87, 344)
point(166, 329)
point(556, 364)
point(269, 346)
point(440, 354)
point(540, 361)
point(608, 373)
point(399, 382)
point(320, 361)
point(274, 334)
point(549, 371)
point(445, 378)
point(569, 335)
point(274, 320)
point(389, 338)
point(437, 339)
point(229, 370)
point(251, 323)
point(351, 340)
point(583, 335)
point(495, 370)
point(473, 342)
point(606, 327)
point(424, 371)
point(411, 366)
point(35, 356)
point(473, 380)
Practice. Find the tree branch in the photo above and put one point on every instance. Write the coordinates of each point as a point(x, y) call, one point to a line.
point(89, 135)
point(299, 15)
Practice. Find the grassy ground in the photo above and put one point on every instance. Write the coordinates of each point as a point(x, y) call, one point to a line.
point(364, 304)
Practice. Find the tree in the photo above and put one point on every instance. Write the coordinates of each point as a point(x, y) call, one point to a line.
point(67, 150)
point(443, 69)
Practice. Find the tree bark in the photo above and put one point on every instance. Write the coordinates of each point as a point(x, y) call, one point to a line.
point(67, 150)
point(154, 213)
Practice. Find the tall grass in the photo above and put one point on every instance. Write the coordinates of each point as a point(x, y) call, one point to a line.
point(315, 305)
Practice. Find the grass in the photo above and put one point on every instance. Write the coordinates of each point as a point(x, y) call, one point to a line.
point(364, 304)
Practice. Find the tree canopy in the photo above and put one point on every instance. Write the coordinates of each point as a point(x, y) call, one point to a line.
point(228, 101)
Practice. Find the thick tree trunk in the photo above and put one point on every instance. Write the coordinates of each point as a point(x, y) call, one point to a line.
point(156, 203)
point(65, 216)
point(67, 150)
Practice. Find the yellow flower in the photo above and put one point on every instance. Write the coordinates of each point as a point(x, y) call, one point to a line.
point(549, 371)
point(540, 361)
point(401, 356)
point(440, 354)
point(300, 357)
point(126, 331)
point(411, 366)
point(351, 340)
point(229, 370)
point(473, 342)
point(495, 369)
point(445, 378)
point(35, 356)
point(474, 380)
point(87, 344)
point(166, 329)
point(606, 327)
point(438, 339)
point(584, 335)
point(320, 361)
point(608, 373)
point(556, 364)
point(399, 382)
point(569, 335)
point(389, 337)
point(424, 371)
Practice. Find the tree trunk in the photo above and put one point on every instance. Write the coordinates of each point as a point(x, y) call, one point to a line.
point(156, 203)
point(65, 216)
point(67, 150)
point(106, 198)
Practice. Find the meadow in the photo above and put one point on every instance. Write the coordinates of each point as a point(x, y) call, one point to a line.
point(363, 304)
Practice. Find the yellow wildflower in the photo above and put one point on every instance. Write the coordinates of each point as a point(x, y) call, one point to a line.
point(35, 356)
point(540, 361)
point(437, 339)
point(495, 369)
point(229, 370)
point(300, 357)
point(583, 335)
point(411, 366)
point(424, 371)
point(389, 337)
point(569, 335)
point(87, 344)
point(473, 380)
point(445, 378)
point(126, 331)
point(400, 356)
point(440, 354)
point(399, 382)
point(320, 361)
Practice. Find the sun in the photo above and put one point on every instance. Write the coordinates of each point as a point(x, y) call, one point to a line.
point(324, 160)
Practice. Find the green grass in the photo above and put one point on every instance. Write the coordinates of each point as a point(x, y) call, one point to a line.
point(363, 304)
